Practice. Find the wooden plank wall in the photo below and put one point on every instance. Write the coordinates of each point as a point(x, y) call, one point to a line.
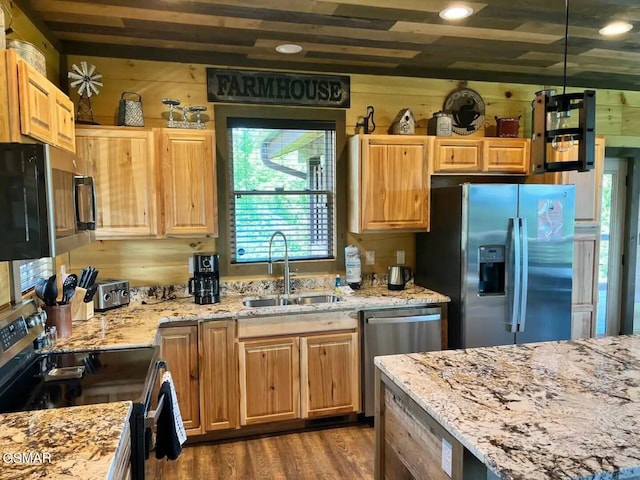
point(150, 262)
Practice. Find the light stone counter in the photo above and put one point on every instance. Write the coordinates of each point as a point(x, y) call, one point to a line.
point(63, 443)
point(551, 410)
point(137, 324)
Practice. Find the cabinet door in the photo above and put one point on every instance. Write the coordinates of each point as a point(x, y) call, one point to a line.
point(189, 182)
point(37, 104)
point(269, 380)
point(588, 186)
point(5, 286)
point(457, 155)
point(395, 185)
point(123, 164)
point(65, 127)
point(581, 324)
point(329, 375)
point(218, 376)
point(179, 347)
point(506, 155)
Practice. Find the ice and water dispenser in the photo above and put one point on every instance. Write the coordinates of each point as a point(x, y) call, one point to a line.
point(491, 270)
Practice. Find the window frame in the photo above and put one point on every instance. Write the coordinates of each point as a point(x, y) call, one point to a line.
point(221, 114)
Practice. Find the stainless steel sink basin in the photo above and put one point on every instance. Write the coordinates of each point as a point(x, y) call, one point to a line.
point(309, 299)
point(265, 302)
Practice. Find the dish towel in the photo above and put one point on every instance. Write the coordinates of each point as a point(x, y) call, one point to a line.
point(170, 434)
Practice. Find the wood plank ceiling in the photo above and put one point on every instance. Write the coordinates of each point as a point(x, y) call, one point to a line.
point(519, 41)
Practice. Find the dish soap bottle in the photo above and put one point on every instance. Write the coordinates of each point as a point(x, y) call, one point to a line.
point(353, 266)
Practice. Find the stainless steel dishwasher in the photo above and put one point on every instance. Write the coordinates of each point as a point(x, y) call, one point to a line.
point(396, 330)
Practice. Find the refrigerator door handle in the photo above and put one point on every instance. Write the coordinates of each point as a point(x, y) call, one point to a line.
point(514, 247)
point(524, 241)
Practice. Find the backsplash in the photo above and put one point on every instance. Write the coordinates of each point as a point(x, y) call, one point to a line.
point(250, 287)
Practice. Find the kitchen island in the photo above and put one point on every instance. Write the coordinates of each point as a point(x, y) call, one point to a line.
point(88, 442)
point(551, 410)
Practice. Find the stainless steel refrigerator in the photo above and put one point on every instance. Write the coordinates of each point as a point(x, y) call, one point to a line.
point(504, 255)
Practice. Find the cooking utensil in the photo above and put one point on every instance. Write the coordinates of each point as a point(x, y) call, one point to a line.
point(39, 288)
point(50, 292)
point(91, 291)
point(92, 277)
point(69, 288)
point(83, 277)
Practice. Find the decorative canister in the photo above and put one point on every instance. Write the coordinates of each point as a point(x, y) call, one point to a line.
point(507, 127)
point(29, 53)
point(439, 124)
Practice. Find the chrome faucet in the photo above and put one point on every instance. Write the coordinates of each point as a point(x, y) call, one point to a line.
point(285, 268)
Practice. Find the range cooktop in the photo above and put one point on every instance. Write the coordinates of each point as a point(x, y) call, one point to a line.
point(81, 378)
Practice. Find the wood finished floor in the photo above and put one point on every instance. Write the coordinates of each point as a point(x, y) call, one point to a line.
point(343, 453)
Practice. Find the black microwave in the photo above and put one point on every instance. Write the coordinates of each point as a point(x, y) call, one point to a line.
point(47, 201)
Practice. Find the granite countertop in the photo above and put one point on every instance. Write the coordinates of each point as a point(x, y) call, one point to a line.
point(62, 443)
point(536, 411)
point(136, 325)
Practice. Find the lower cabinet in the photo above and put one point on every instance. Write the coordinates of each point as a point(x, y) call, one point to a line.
point(179, 347)
point(269, 380)
point(329, 374)
point(202, 363)
point(299, 377)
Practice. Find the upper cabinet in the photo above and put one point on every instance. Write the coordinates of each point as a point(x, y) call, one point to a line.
point(389, 183)
point(123, 163)
point(481, 155)
point(37, 108)
point(152, 182)
point(189, 182)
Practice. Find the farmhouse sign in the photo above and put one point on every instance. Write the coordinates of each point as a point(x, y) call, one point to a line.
point(275, 88)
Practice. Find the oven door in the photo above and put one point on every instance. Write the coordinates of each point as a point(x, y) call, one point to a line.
point(142, 421)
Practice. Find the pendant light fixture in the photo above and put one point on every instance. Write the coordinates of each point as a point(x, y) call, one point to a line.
point(563, 126)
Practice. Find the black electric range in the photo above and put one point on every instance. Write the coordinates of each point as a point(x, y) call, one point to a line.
point(32, 380)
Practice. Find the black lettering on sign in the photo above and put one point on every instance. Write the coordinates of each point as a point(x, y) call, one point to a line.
point(275, 88)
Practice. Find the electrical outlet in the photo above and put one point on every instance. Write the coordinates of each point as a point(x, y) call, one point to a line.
point(370, 257)
point(400, 257)
point(447, 459)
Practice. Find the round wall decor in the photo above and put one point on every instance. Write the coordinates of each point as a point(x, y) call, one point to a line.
point(466, 109)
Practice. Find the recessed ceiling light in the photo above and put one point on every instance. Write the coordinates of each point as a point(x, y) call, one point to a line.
point(615, 28)
point(456, 12)
point(288, 48)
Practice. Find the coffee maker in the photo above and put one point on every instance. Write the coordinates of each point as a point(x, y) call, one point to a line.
point(205, 283)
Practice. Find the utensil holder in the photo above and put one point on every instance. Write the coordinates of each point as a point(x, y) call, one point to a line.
point(59, 316)
point(79, 309)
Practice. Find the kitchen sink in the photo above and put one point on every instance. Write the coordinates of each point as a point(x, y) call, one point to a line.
point(298, 300)
point(265, 302)
point(309, 299)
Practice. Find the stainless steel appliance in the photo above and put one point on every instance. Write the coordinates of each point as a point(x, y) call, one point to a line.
point(398, 277)
point(111, 294)
point(48, 202)
point(205, 283)
point(30, 380)
point(504, 255)
point(391, 331)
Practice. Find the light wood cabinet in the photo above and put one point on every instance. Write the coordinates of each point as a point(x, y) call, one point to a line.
point(5, 284)
point(481, 155)
point(584, 294)
point(329, 374)
point(457, 155)
point(269, 380)
point(506, 155)
point(122, 161)
point(218, 375)
point(36, 108)
point(389, 183)
point(37, 104)
point(179, 347)
point(189, 182)
point(64, 121)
